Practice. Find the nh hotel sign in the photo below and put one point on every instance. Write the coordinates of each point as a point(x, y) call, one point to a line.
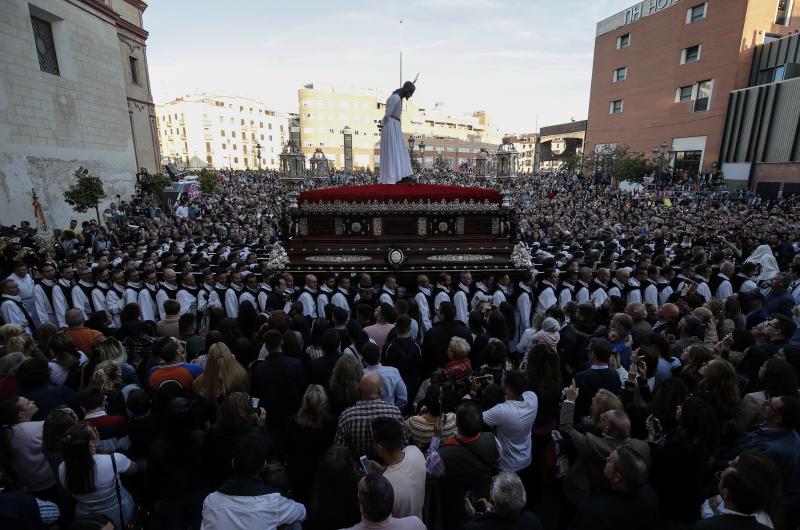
point(632, 14)
point(646, 8)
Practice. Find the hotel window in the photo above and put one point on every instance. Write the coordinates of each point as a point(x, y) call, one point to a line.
point(623, 41)
point(134, 64)
point(233, 134)
point(620, 74)
point(690, 54)
point(45, 46)
point(693, 14)
point(703, 97)
point(222, 133)
point(769, 37)
point(236, 160)
point(783, 14)
point(685, 93)
point(615, 107)
point(234, 147)
point(208, 147)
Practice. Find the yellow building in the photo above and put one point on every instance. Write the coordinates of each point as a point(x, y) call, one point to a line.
point(326, 110)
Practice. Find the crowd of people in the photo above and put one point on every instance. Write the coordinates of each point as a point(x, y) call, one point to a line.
point(642, 374)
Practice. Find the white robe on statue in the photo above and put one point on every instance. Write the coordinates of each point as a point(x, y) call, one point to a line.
point(395, 160)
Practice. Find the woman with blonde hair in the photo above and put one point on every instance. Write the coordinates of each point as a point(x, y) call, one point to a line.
point(602, 402)
point(343, 387)
point(310, 434)
point(111, 349)
point(21, 343)
point(223, 375)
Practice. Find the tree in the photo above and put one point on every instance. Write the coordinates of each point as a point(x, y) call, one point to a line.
point(207, 181)
point(633, 167)
point(153, 185)
point(86, 192)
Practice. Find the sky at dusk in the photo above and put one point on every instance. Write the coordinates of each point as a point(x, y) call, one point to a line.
point(514, 59)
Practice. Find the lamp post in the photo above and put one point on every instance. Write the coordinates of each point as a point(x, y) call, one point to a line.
point(421, 147)
point(228, 143)
point(411, 151)
point(258, 154)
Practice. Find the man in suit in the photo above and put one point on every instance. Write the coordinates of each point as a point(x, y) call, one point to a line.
point(279, 382)
point(437, 339)
point(586, 476)
point(597, 376)
point(629, 503)
point(744, 494)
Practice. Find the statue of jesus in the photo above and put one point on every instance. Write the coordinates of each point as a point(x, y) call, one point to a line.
point(395, 159)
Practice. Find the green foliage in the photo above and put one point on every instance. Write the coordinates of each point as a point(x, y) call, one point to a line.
point(156, 183)
point(207, 181)
point(633, 167)
point(86, 192)
point(617, 161)
point(571, 163)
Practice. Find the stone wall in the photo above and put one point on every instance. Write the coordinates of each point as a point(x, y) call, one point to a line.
point(51, 124)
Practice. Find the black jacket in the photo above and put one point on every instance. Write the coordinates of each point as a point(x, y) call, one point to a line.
point(589, 382)
point(492, 521)
point(279, 382)
point(434, 349)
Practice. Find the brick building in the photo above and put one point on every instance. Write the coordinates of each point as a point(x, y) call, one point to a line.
point(663, 71)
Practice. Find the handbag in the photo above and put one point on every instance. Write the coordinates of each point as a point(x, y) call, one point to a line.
point(117, 490)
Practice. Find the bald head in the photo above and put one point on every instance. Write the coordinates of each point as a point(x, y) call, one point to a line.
point(618, 425)
point(703, 313)
point(668, 313)
point(370, 387)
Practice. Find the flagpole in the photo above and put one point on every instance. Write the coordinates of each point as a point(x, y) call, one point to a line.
point(401, 53)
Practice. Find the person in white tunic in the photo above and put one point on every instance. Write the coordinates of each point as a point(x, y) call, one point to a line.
point(395, 160)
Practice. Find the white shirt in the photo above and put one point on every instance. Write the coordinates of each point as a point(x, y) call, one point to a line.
point(424, 309)
point(104, 478)
point(12, 314)
point(263, 512)
point(29, 462)
point(44, 306)
point(513, 421)
point(408, 481)
point(461, 303)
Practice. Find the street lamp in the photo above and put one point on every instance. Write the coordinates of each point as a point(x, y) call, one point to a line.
point(258, 153)
point(421, 147)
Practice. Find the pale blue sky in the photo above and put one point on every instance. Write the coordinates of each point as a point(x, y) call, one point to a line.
point(512, 58)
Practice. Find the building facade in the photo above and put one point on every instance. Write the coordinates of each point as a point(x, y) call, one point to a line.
point(525, 145)
point(199, 131)
point(558, 144)
point(325, 111)
point(74, 91)
point(761, 137)
point(663, 70)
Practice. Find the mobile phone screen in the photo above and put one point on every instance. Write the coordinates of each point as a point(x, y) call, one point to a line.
point(365, 465)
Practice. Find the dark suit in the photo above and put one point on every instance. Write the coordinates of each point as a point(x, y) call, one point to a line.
point(320, 370)
point(616, 510)
point(589, 382)
point(568, 353)
point(279, 382)
point(434, 345)
point(492, 521)
point(730, 522)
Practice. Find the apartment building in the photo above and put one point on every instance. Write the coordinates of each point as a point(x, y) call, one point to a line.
point(202, 130)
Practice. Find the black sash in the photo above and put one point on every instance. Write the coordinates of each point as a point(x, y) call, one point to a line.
point(22, 308)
